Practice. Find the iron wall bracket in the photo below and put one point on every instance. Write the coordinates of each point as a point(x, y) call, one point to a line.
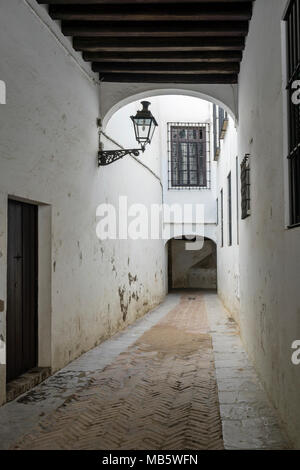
point(106, 157)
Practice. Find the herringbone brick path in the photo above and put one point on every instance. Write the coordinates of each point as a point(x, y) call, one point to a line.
point(160, 394)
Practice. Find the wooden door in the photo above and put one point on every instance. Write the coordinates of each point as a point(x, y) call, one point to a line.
point(21, 289)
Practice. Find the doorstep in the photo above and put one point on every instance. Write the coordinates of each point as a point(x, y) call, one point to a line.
point(26, 382)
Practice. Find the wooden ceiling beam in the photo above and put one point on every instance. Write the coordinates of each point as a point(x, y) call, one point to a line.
point(158, 44)
point(240, 11)
point(131, 2)
point(204, 68)
point(164, 57)
point(168, 78)
point(173, 29)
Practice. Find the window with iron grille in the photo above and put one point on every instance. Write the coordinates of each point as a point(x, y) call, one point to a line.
point(292, 19)
point(220, 124)
point(189, 156)
point(245, 187)
point(229, 209)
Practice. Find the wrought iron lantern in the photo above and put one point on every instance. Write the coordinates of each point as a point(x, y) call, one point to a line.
point(144, 127)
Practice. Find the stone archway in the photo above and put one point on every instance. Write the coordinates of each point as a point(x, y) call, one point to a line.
point(192, 269)
point(114, 96)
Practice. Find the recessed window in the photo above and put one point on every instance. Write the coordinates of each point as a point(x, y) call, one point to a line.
point(245, 187)
point(293, 74)
point(220, 124)
point(189, 156)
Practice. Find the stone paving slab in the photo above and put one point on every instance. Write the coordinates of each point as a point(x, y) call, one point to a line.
point(249, 421)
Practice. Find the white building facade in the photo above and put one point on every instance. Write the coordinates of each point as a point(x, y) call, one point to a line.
point(88, 289)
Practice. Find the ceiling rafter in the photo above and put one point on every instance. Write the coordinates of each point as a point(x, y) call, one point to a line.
point(171, 41)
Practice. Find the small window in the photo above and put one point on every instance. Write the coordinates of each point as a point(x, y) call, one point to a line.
point(189, 161)
point(229, 204)
point(245, 187)
point(220, 124)
point(292, 19)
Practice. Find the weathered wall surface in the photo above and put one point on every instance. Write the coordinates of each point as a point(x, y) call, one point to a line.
point(48, 147)
point(193, 268)
point(228, 256)
point(269, 252)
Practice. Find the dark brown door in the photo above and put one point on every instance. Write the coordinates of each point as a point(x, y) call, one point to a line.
point(21, 289)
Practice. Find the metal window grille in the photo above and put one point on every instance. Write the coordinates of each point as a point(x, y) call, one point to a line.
point(222, 218)
point(189, 156)
point(292, 19)
point(229, 209)
point(220, 124)
point(245, 187)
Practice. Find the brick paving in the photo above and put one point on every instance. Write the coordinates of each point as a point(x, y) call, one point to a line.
point(159, 394)
point(166, 382)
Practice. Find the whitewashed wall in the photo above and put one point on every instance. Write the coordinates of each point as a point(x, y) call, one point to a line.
point(167, 109)
point(269, 252)
point(228, 256)
point(48, 147)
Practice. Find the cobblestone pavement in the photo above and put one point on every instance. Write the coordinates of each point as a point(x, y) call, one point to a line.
point(158, 385)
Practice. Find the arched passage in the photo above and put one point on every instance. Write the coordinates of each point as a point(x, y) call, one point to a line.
point(192, 265)
point(114, 96)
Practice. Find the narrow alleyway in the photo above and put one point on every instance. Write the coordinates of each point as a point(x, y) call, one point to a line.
point(177, 379)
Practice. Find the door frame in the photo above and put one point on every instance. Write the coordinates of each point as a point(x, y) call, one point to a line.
point(44, 283)
point(23, 318)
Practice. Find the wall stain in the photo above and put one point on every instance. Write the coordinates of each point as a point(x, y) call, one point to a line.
point(123, 304)
point(132, 278)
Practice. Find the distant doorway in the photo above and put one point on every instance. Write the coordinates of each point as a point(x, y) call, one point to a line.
point(22, 274)
point(192, 269)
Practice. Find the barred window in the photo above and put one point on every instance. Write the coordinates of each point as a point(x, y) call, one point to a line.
point(292, 19)
point(245, 187)
point(189, 156)
point(220, 124)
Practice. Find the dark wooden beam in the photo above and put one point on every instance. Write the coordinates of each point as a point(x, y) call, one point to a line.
point(168, 78)
point(158, 44)
point(232, 11)
point(164, 57)
point(131, 2)
point(161, 29)
point(196, 69)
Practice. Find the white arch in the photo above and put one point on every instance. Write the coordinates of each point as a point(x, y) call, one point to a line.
point(116, 95)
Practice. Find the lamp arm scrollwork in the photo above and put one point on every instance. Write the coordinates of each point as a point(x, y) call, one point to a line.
point(106, 157)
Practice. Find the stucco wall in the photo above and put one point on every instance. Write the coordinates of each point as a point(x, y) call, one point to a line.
point(269, 252)
point(48, 147)
point(228, 256)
